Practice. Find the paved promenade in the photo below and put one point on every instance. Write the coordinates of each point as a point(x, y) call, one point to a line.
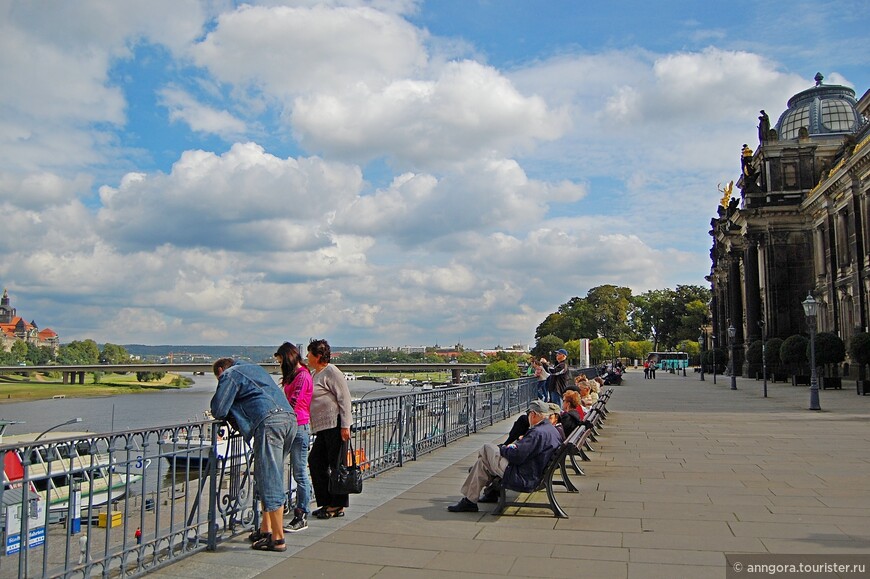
point(684, 472)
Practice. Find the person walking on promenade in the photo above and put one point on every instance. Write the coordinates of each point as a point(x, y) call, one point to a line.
point(519, 464)
point(557, 383)
point(331, 419)
point(299, 388)
point(83, 548)
point(138, 536)
point(248, 398)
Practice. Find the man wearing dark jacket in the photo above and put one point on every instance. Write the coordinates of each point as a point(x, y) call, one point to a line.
point(559, 378)
point(519, 464)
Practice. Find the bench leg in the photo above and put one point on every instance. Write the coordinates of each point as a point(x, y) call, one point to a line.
point(554, 504)
point(576, 467)
point(569, 486)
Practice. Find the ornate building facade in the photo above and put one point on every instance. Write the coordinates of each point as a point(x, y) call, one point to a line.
point(13, 327)
point(801, 225)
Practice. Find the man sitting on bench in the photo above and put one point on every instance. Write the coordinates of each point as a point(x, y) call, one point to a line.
point(519, 464)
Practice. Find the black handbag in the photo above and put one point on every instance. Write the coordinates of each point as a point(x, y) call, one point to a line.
point(345, 479)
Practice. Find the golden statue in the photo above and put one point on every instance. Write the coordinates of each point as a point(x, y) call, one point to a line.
point(726, 193)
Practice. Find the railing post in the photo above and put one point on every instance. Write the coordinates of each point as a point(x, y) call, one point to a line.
point(401, 418)
point(211, 544)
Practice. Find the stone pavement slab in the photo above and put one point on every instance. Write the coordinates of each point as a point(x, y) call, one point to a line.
point(684, 472)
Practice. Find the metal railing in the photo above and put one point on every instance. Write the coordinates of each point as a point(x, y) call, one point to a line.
point(126, 503)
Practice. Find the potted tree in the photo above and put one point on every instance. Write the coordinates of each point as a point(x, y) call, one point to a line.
point(774, 362)
point(830, 349)
point(859, 351)
point(753, 356)
point(793, 354)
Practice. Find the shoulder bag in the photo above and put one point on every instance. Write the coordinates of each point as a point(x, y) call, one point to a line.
point(345, 479)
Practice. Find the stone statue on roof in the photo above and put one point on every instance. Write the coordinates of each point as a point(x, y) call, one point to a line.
point(763, 126)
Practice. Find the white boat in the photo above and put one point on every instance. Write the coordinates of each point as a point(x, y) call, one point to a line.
point(84, 464)
point(192, 450)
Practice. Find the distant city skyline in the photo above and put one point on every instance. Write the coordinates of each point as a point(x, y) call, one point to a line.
point(378, 172)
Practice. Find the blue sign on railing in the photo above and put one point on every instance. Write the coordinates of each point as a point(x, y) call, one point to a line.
point(35, 538)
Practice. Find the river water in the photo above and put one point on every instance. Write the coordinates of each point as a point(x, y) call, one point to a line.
point(134, 411)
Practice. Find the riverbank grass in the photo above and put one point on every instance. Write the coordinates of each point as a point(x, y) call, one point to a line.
point(39, 386)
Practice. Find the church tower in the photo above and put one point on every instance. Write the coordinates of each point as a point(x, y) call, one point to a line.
point(7, 312)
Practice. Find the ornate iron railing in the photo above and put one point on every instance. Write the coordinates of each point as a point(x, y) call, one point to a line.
point(126, 503)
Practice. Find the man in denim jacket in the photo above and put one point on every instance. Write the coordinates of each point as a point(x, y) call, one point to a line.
point(250, 400)
point(519, 464)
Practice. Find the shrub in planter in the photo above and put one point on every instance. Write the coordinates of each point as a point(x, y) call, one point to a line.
point(830, 349)
point(774, 363)
point(859, 351)
point(753, 356)
point(793, 354)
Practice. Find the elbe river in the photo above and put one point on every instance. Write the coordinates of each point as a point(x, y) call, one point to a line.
point(135, 411)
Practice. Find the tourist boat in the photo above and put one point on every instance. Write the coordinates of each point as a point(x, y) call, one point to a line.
point(191, 449)
point(83, 464)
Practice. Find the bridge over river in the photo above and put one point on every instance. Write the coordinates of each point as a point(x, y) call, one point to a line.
point(73, 373)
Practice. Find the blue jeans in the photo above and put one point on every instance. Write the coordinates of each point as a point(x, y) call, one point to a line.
point(299, 465)
point(542, 390)
point(272, 442)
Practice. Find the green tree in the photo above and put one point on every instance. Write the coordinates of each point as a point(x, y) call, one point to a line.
point(599, 350)
point(773, 347)
point(500, 370)
point(114, 354)
point(19, 351)
point(859, 352)
point(611, 305)
point(830, 349)
point(79, 352)
point(39, 355)
point(547, 345)
point(793, 353)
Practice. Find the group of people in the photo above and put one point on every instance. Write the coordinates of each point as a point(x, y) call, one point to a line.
point(649, 370)
point(312, 398)
point(519, 462)
point(553, 380)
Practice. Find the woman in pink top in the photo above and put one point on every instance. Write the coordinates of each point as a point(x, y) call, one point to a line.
point(298, 387)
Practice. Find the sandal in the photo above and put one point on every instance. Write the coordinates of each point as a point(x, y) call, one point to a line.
point(267, 544)
point(257, 534)
point(325, 513)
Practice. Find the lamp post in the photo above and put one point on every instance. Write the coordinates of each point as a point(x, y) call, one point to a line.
point(67, 423)
point(811, 309)
point(373, 390)
point(732, 332)
point(702, 339)
point(713, 337)
point(763, 356)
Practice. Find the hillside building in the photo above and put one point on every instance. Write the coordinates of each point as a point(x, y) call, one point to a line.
point(13, 327)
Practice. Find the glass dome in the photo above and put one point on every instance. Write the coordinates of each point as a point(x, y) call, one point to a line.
point(823, 110)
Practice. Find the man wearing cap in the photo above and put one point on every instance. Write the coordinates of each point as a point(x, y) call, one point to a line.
point(519, 464)
point(557, 383)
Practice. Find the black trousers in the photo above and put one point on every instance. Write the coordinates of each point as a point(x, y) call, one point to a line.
point(325, 454)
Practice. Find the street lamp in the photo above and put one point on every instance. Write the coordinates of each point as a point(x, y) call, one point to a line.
point(763, 356)
point(67, 423)
point(374, 390)
point(732, 332)
point(713, 337)
point(811, 309)
point(702, 339)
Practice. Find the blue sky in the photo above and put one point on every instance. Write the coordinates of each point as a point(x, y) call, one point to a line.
point(389, 172)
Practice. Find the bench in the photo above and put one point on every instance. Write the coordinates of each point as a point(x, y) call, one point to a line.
point(575, 445)
point(547, 481)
